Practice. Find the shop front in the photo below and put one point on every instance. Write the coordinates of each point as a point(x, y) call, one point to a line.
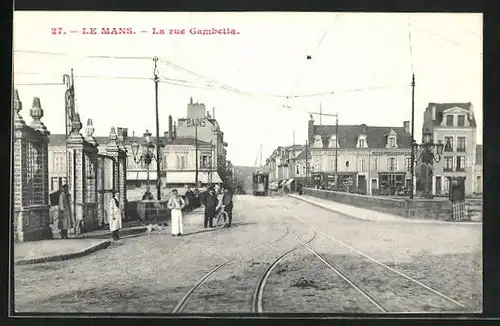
point(391, 182)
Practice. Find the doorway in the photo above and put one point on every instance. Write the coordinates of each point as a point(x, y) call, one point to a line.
point(438, 185)
point(374, 187)
point(362, 184)
point(479, 185)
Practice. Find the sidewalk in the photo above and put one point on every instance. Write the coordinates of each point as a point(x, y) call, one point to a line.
point(367, 214)
point(35, 252)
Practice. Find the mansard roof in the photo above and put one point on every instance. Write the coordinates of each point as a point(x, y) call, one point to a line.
point(429, 123)
point(376, 136)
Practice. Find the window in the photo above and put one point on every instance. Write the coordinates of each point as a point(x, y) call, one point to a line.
point(178, 162)
point(297, 170)
point(332, 161)
point(448, 163)
point(408, 164)
point(392, 164)
point(362, 143)
point(375, 163)
point(449, 120)
point(460, 144)
point(460, 163)
point(446, 185)
point(362, 164)
point(448, 144)
point(392, 141)
point(461, 121)
point(392, 179)
point(205, 162)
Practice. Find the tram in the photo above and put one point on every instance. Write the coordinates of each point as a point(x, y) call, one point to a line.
point(260, 183)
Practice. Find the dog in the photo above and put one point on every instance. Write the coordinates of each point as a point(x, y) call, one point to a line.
point(156, 227)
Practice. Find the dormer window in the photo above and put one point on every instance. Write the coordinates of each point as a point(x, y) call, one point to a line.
point(392, 140)
point(318, 142)
point(362, 142)
point(461, 121)
point(449, 121)
point(333, 142)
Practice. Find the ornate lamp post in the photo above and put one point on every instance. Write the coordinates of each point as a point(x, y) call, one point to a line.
point(147, 156)
point(428, 153)
point(309, 172)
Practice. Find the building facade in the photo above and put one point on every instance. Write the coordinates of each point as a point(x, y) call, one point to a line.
point(201, 124)
point(366, 159)
point(453, 124)
point(281, 164)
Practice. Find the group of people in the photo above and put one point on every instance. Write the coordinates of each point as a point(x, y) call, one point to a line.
point(214, 199)
point(65, 221)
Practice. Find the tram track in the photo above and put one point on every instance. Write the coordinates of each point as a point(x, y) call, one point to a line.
point(181, 305)
point(359, 288)
point(259, 291)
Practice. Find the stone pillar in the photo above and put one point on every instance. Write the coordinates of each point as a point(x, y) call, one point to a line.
point(31, 200)
point(90, 178)
point(114, 149)
point(122, 170)
point(76, 170)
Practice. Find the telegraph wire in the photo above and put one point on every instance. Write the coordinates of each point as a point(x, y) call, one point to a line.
point(83, 56)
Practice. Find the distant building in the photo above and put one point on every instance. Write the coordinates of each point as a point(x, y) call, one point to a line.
point(200, 122)
point(454, 124)
point(478, 170)
point(370, 159)
point(281, 165)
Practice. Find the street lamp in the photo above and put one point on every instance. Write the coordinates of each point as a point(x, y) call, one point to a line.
point(428, 153)
point(147, 156)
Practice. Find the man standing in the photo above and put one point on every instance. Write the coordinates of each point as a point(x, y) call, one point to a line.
point(210, 203)
point(176, 204)
point(115, 216)
point(227, 201)
point(65, 220)
point(189, 199)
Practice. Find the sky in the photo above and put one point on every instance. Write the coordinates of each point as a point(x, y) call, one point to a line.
point(259, 81)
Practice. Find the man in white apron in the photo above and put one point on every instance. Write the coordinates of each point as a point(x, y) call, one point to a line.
point(176, 204)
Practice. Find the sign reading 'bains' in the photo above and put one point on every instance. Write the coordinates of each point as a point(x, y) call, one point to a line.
point(196, 122)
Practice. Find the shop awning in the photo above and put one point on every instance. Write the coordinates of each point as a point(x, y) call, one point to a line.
point(189, 177)
point(289, 181)
point(140, 175)
point(282, 182)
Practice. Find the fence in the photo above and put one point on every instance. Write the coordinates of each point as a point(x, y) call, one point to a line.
point(460, 211)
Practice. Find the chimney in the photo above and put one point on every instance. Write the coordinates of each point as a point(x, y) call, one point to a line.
point(406, 125)
point(175, 131)
point(190, 100)
point(433, 112)
point(310, 129)
point(170, 126)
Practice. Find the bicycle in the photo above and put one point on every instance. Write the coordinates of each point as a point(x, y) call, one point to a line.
point(221, 218)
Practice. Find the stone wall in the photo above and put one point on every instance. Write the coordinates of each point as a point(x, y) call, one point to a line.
point(437, 209)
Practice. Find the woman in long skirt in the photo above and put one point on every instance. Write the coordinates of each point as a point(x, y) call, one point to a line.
point(176, 204)
point(114, 216)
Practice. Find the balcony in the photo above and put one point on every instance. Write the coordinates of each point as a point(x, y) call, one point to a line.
point(460, 169)
point(461, 149)
point(448, 169)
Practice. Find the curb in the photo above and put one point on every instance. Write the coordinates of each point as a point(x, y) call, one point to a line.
point(403, 219)
point(88, 251)
point(107, 234)
point(330, 209)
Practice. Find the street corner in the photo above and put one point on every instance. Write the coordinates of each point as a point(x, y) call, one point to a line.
point(56, 250)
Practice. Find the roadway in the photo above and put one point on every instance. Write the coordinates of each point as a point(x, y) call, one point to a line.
point(280, 255)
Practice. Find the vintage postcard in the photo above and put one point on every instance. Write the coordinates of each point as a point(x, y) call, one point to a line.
point(247, 163)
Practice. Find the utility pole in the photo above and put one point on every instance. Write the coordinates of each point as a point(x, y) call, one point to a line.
point(158, 158)
point(307, 164)
point(196, 152)
point(412, 136)
point(336, 149)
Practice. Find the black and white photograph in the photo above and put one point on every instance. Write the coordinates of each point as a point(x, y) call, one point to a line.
point(246, 163)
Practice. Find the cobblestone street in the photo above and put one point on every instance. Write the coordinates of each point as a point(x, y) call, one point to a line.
point(152, 273)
